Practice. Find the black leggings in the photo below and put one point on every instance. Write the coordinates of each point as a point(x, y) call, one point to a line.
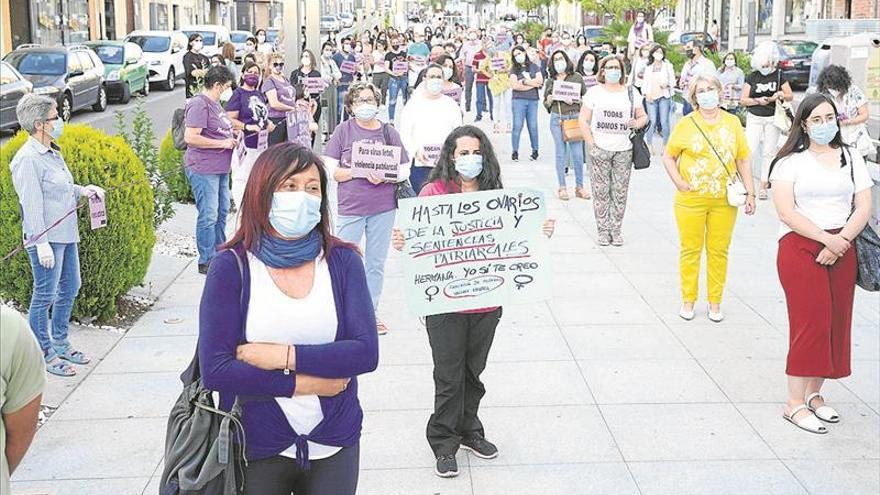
point(335, 475)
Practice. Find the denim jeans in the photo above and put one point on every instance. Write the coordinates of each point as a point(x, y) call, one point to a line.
point(573, 151)
point(377, 229)
point(396, 85)
point(418, 176)
point(212, 202)
point(524, 111)
point(341, 114)
point(469, 77)
point(482, 94)
point(56, 287)
point(686, 108)
point(658, 112)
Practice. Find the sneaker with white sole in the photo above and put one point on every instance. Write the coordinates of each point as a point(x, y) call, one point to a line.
point(446, 467)
point(481, 447)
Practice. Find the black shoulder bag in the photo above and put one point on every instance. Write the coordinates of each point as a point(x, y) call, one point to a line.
point(402, 189)
point(641, 155)
point(867, 245)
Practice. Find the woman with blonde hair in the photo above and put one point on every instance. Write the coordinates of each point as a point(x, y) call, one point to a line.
point(707, 148)
point(280, 94)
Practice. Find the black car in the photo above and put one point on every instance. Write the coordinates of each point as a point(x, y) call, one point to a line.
point(12, 87)
point(73, 75)
point(795, 58)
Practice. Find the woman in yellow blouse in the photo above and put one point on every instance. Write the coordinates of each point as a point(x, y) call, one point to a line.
point(706, 148)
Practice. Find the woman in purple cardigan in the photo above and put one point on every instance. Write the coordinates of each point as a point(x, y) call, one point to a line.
point(289, 331)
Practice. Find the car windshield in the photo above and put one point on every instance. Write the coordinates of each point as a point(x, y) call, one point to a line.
point(328, 18)
point(152, 44)
point(208, 37)
point(239, 37)
point(39, 63)
point(798, 49)
point(110, 54)
point(591, 33)
point(271, 35)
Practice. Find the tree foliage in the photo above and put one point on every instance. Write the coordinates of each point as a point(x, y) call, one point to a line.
point(618, 7)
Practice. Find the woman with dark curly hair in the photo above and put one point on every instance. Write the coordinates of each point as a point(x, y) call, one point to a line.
point(852, 106)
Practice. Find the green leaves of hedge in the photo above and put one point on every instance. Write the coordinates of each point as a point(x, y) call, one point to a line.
point(171, 169)
point(112, 259)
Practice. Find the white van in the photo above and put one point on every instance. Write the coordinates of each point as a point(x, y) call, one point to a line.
point(163, 52)
point(213, 37)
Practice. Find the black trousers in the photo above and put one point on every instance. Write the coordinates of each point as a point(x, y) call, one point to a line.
point(335, 475)
point(460, 344)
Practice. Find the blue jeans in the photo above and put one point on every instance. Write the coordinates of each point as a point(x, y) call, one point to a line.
point(212, 202)
point(56, 287)
point(524, 111)
point(377, 229)
point(686, 108)
point(469, 77)
point(658, 112)
point(574, 150)
point(418, 176)
point(396, 85)
point(341, 114)
point(483, 93)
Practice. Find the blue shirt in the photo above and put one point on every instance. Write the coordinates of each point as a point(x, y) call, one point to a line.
point(46, 192)
point(340, 57)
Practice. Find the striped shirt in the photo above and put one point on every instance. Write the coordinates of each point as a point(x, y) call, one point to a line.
point(46, 192)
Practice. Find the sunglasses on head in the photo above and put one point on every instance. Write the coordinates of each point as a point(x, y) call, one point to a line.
point(278, 64)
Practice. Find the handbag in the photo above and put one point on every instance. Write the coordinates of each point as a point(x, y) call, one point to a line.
point(641, 155)
point(736, 190)
point(402, 189)
point(867, 250)
point(571, 129)
point(782, 116)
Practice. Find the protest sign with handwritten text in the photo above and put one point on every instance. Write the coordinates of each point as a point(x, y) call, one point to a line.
point(400, 66)
point(378, 159)
point(348, 67)
point(474, 250)
point(312, 85)
point(432, 154)
point(566, 91)
point(498, 64)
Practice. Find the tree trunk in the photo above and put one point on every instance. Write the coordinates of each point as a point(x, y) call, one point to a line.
point(706, 16)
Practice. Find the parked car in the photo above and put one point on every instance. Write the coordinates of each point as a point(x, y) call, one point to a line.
point(213, 37)
point(73, 75)
point(12, 87)
point(329, 23)
point(239, 39)
point(795, 60)
point(593, 35)
point(346, 19)
point(125, 70)
point(163, 52)
point(708, 41)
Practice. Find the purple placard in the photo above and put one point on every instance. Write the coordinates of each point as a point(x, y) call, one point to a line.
point(418, 60)
point(498, 64)
point(262, 140)
point(454, 93)
point(348, 67)
point(97, 211)
point(312, 85)
point(566, 91)
point(379, 159)
point(400, 66)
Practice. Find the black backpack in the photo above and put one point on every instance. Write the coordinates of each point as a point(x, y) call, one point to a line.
point(178, 128)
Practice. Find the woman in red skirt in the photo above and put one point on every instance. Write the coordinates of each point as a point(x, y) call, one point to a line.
point(816, 182)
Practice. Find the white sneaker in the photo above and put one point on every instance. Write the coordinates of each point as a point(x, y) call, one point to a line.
point(686, 314)
point(716, 317)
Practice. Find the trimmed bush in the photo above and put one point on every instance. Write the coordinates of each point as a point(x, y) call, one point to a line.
point(113, 259)
point(171, 160)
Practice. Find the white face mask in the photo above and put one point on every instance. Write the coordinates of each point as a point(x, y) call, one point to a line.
point(226, 95)
point(730, 62)
point(261, 38)
point(658, 55)
point(306, 61)
point(197, 46)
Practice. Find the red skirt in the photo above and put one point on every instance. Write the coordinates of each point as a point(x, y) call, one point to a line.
point(820, 303)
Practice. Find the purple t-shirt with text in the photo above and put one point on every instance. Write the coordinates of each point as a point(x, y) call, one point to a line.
point(285, 93)
point(206, 114)
point(358, 197)
point(252, 110)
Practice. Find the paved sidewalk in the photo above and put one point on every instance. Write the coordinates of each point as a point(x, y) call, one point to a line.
point(601, 389)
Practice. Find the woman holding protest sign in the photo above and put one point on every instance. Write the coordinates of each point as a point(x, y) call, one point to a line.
point(609, 112)
point(367, 199)
point(307, 72)
point(451, 83)
point(249, 112)
point(460, 342)
point(281, 96)
point(423, 137)
point(525, 79)
point(564, 110)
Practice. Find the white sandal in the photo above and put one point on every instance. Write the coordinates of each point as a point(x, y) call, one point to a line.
point(808, 423)
point(825, 413)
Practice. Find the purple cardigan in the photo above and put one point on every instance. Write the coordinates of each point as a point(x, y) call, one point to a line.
point(222, 319)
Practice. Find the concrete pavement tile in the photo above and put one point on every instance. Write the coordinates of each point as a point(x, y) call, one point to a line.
point(767, 477)
point(405, 347)
point(546, 435)
point(405, 448)
point(712, 341)
point(522, 343)
point(163, 322)
point(525, 315)
point(762, 380)
point(865, 382)
point(772, 310)
point(541, 383)
point(381, 389)
point(581, 263)
point(838, 477)
point(153, 487)
point(691, 432)
point(187, 293)
point(143, 354)
point(660, 263)
point(587, 286)
point(654, 283)
point(866, 342)
point(161, 273)
point(606, 310)
point(623, 342)
point(106, 448)
point(115, 486)
point(736, 313)
point(856, 437)
point(118, 396)
point(610, 478)
point(421, 481)
point(649, 382)
point(94, 343)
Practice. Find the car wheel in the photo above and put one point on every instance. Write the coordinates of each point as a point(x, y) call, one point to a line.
point(171, 80)
point(66, 107)
point(101, 104)
point(146, 91)
point(126, 94)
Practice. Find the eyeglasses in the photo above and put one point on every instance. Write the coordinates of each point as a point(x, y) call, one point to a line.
point(433, 77)
point(819, 120)
point(365, 101)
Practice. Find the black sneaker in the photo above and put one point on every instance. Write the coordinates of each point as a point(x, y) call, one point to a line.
point(481, 447)
point(203, 269)
point(479, 118)
point(514, 156)
point(534, 155)
point(446, 467)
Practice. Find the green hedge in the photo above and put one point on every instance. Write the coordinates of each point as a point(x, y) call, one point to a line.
point(171, 168)
point(531, 30)
point(113, 259)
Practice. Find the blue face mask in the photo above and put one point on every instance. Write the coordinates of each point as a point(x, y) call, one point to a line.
point(708, 99)
point(434, 86)
point(294, 214)
point(366, 112)
point(823, 133)
point(765, 71)
point(612, 76)
point(469, 166)
point(57, 128)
